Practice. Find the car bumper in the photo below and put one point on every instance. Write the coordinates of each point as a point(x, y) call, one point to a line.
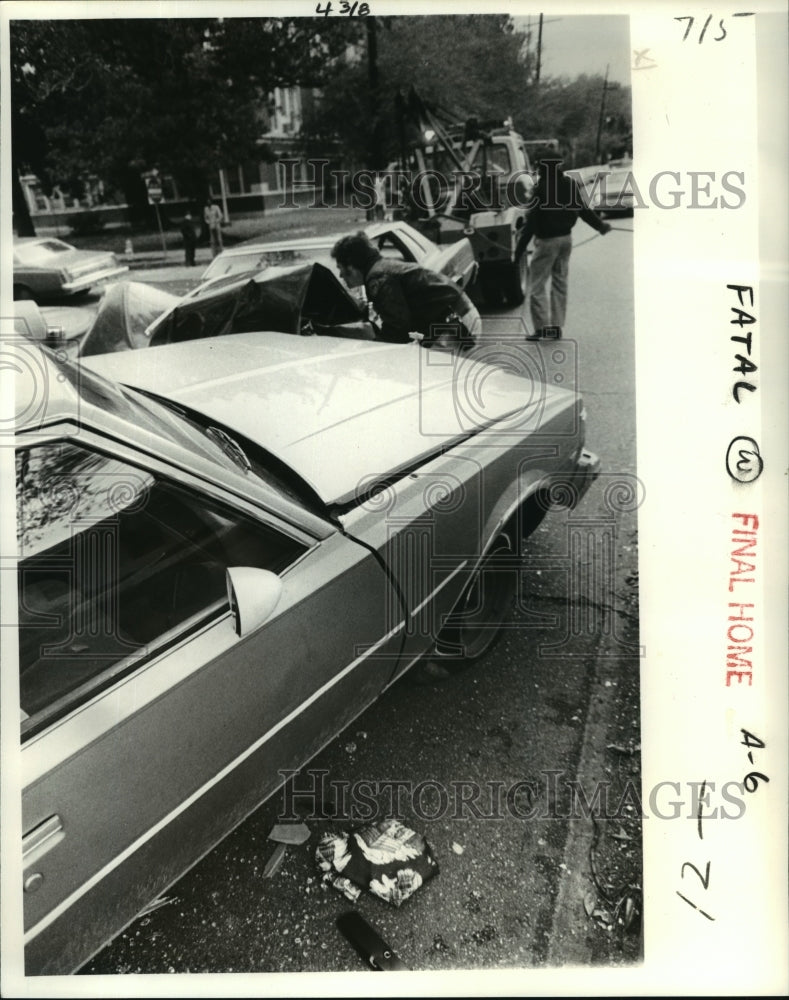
point(569, 488)
point(94, 278)
point(586, 471)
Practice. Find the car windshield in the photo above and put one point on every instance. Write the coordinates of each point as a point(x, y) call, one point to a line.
point(146, 413)
point(185, 427)
point(41, 251)
point(238, 451)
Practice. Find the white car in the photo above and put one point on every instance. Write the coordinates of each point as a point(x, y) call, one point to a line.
point(224, 555)
point(608, 187)
point(47, 268)
point(396, 240)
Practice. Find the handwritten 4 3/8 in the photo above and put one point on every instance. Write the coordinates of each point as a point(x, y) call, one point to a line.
point(344, 7)
point(703, 31)
point(750, 784)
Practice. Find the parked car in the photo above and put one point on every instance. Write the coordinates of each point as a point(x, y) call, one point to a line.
point(47, 268)
point(608, 187)
point(396, 240)
point(217, 572)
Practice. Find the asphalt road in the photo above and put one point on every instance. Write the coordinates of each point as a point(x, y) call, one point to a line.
point(526, 878)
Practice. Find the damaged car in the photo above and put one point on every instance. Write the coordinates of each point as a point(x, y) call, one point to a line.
point(224, 555)
point(395, 240)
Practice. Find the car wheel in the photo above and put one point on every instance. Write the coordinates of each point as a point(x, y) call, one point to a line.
point(515, 279)
point(475, 622)
point(22, 293)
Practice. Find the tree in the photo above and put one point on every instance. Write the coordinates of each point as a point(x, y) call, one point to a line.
point(466, 65)
point(116, 97)
point(568, 110)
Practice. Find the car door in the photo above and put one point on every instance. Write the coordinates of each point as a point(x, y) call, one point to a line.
point(150, 727)
point(455, 260)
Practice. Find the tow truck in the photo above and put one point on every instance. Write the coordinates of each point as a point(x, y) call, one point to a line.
point(464, 179)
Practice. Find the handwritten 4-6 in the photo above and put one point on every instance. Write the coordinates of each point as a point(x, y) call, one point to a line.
point(750, 784)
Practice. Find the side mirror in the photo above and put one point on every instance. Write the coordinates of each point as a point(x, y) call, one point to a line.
point(253, 594)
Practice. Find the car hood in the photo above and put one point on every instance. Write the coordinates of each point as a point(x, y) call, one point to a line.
point(340, 413)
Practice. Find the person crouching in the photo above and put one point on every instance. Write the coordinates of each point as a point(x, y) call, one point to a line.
point(408, 299)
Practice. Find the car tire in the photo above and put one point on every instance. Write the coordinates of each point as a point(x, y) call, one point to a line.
point(23, 294)
point(475, 622)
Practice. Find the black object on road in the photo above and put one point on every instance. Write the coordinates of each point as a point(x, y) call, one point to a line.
point(375, 952)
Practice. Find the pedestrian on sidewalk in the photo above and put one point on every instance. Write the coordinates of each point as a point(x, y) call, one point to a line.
point(559, 205)
point(212, 214)
point(189, 237)
point(408, 298)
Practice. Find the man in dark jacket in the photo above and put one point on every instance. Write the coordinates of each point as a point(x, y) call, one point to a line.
point(190, 239)
point(407, 298)
point(550, 222)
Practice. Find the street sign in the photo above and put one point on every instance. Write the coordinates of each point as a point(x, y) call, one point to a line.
point(155, 194)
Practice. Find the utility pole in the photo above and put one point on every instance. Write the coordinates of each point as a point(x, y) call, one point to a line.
point(372, 79)
point(602, 112)
point(541, 21)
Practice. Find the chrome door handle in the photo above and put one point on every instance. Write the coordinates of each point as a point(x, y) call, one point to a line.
point(40, 839)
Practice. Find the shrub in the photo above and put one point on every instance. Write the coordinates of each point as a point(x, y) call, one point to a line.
point(84, 223)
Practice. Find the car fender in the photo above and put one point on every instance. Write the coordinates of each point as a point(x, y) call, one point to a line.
point(518, 492)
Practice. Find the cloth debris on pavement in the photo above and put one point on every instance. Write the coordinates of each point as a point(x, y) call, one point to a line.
point(386, 858)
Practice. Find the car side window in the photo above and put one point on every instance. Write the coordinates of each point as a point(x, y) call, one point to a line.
point(115, 565)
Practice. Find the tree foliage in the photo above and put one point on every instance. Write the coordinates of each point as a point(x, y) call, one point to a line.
point(117, 97)
point(569, 110)
point(462, 65)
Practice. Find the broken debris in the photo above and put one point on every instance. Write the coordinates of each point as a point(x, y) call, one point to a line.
point(276, 859)
point(386, 858)
point(290, 833)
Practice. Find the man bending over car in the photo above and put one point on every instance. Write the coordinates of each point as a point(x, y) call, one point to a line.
point(407, 298)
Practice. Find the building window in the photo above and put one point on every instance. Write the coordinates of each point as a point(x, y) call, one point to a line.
point(251, 177)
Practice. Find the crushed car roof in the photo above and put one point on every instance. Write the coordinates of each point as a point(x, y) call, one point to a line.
point(337, 412)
